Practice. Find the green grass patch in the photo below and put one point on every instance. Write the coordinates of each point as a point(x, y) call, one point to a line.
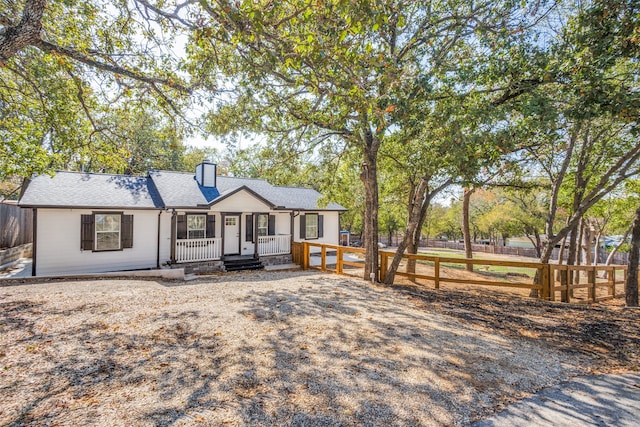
point(489, 270)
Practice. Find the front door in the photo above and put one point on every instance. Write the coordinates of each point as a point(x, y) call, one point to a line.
point(232, 235)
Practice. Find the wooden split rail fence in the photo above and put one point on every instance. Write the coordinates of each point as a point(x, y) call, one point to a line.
point(552, 282)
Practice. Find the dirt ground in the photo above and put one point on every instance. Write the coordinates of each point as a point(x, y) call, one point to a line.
point(289, 348)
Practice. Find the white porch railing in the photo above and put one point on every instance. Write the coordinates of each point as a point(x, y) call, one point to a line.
point(188, 250)
point(274, 245)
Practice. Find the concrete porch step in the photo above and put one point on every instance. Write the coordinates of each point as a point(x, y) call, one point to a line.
point(276, 267)
point(239, 263)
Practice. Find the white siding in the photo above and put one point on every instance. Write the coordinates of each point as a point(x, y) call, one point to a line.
point(58, 244)
point(282, 227)
point(247, 248)
point(242, 201)
point(165, 237)
point(331, 228)
point(283, 222)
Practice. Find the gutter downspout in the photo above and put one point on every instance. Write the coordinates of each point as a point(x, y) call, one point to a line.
point(294, 214)
point(158, 246)
point(173, 237)
point(34, 244)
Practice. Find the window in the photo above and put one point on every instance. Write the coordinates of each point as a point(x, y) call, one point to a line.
point(263, 225)
point(196, 226)
point(231, 221)
point(107, 232)
point(312, 226)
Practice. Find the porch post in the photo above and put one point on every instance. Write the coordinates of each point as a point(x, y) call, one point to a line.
point(291, 228)
point(173, 236)
point(222, 217)
point(255, 235)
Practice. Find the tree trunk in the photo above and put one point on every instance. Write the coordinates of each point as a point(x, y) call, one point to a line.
point(616, 248)
point(577, 252)
point(414, 244)
point(369, 177)
point(538, 244)
point(535, 243)
point(631, 285)
point(25, 33)
point(418, 209)
point(619, 245)
point(596, 249)
point(466, 231)
point(587, 238)
point(419, 205)
point(561, 257)
point(412, 247)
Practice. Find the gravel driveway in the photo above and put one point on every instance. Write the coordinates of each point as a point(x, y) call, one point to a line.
point(285, 348)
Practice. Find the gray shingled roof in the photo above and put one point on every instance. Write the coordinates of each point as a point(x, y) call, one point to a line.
point(160, 189)
point(73, 189)
point(180, 189)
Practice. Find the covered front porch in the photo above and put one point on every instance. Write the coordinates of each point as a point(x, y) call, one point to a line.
point(211, 249)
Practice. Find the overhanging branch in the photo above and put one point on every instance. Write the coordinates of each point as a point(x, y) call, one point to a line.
point(115, 69)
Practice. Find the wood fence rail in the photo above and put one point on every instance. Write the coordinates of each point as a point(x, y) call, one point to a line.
point(551, 281)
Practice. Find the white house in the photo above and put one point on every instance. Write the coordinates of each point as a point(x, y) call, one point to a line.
point(92, 223)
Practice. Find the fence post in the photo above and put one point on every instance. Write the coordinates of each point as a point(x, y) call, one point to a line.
point(305, 255)
point(545, 274)
point(552, 284)
point(436, 272)
point(564, 284)
point(383, 266)
point(591, 281)
point(339, 260)
point(323, 256)
point(611, 279)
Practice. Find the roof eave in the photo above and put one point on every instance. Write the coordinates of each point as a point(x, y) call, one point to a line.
point(138, 208)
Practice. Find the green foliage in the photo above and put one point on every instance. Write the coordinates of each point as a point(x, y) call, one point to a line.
point(65, 96)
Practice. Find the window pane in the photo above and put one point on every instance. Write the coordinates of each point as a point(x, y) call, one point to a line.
point(196, 222)
point(107, 222)
point(196, 226)
point(196, 234)
point(230, 221)
point(107, 241)
point(312, 226)
point(107, 232)
point(263, 225)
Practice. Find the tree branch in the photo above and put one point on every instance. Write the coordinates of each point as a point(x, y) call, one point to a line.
point(172, 16)
point(17, 37)
point(115, 69)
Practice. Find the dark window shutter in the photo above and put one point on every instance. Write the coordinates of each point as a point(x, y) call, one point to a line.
point(248, 233)
point(127, 231)
point(320, 225)
point(272, 225)
point(211, 226)
point(303, 226)
point(181, 227)
point(87, 231)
